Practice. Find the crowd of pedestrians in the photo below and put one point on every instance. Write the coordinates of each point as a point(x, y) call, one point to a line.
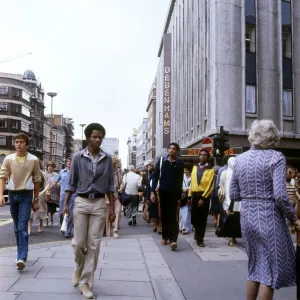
point(255, 190)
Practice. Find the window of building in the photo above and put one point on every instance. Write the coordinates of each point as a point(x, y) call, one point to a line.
point(3, 140)
point(3, 123)
point(286, 14)
point(15, 93)
point(3, 106)
point(250, 11)
point(25, 111)
point(15, 108)
point(251, 99)
point(24, 126)
point(4, 90)
point(14, 124)
point(250, 38)
point(25, 96)
point(287, 103)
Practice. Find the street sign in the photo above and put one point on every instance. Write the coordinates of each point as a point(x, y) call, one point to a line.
point(207, 144)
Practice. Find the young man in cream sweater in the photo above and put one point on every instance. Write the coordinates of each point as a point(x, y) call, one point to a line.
point(22, 171)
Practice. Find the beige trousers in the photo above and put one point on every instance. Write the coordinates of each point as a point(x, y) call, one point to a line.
point(89, 223)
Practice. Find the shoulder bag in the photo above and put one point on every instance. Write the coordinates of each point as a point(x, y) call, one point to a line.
point(123, 196)
point(184, 196)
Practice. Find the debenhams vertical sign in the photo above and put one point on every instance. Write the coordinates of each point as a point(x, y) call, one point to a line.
point(167, 90)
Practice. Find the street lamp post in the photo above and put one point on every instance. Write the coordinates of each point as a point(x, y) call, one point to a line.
point(82, 126)
point(52, 95)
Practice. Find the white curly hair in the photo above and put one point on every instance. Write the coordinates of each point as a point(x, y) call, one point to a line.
point(264, 134)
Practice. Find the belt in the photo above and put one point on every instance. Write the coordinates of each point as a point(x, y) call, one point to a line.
point(91, 195)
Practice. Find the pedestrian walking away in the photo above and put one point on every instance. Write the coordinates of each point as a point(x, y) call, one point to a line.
point(22, 170)
point(202, 184)
point(91, 177)
point(169, 174)
point(259, 182)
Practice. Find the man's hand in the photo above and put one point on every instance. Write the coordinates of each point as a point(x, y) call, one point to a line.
point(200, 203)
point(2, 201)
point(179, 203)
point(35, 205)
point(297, 225)
point(152, 197)
point(66, 209)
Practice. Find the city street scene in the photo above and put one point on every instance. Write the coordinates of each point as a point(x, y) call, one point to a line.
point(149, 150)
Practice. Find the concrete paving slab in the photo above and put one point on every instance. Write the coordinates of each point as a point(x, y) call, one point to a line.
point(123, 249)
point(122, 265)
point(124, 298)
point(41, 285)
point(158, 262)
point(125, 275)
point(48, 262)
point(49, 296)
point(41, 253)
point(222, 256)
point(8, 295)
point(123, 257)
point(123, 288)
point(7, 282)
point(163, 273)
point(57, 272)
point(167, 289)
point(11, 271)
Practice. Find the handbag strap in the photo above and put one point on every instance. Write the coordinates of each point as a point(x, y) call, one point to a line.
point(231, 206)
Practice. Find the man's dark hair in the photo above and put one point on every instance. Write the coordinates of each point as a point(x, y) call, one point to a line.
point(204, 150)
point(175, 145)
point(188, 166)
point(68, 158)
point(22, 136)
point(288, 178)
point(94, 126)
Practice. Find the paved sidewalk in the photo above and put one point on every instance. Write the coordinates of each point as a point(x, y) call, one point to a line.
point(134, 267)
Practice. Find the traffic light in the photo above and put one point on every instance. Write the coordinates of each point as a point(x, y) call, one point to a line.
point(224, 140)
point(221, 143)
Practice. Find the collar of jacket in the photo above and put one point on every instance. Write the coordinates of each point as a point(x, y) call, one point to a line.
point(166, 158)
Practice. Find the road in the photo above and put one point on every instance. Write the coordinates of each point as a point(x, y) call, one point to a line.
point(200, 273)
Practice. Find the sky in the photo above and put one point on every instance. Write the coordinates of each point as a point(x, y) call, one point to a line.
point(100, 56)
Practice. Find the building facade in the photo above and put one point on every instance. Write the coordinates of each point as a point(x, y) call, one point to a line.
point(232, 62)
point(21, 110)
point(111, 146)
point(151, 132)
point(46, 142)
point(141, 144)
point(131, 144)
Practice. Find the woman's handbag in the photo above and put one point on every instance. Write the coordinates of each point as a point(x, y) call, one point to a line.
point(53, 197)
point(184, 199)
point(230, 225)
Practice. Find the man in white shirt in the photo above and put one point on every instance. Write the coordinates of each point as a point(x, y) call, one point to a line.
point(131, 184)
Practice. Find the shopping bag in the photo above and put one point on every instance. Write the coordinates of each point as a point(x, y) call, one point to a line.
point(64, 226)
point(229, 225)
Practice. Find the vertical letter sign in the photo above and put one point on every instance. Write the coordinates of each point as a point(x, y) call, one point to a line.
point(167, 90)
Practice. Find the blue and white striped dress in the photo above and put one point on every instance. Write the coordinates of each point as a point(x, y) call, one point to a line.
point(259, 181)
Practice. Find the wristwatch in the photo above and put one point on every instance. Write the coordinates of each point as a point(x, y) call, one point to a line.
point(36, 199)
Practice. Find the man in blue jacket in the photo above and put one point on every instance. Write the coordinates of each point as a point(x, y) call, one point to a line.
point(169, 173)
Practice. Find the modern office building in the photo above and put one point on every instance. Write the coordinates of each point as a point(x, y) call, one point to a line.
point(228, 63)
point(151, 110)
point(141, 144)
point(21, 110)
point(111, 146)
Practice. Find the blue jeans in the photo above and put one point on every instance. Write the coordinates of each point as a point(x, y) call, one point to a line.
point(20, 209)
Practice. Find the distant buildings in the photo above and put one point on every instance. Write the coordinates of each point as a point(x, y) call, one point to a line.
point(111, 146)
point(21, 110)
point(141, 144)
point(131, 144)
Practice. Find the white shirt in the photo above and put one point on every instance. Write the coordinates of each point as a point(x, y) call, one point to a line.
point(132, 181)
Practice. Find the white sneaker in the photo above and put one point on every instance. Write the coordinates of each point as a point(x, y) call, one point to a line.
point(116, 235)
point(20, 265)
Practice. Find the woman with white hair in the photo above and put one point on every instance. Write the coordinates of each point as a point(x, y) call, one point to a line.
point(258, 181)
point(131, 183)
